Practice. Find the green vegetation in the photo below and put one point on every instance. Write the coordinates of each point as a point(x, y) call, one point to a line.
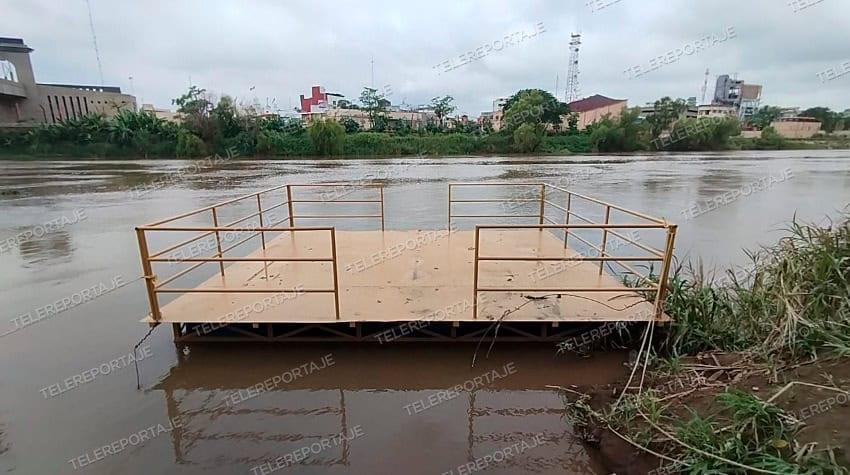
point(789, 308)
point(830, 120)
point(625, 134)
point(703, 134)
point(765, 116)
point(327, 137)
point(794, 302)
point(533, 122)
point(666, 112)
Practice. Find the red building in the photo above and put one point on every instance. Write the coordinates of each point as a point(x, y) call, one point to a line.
point(318, 95)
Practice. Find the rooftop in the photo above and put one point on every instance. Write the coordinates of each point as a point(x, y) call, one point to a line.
point(13, 44)
point(595, 101)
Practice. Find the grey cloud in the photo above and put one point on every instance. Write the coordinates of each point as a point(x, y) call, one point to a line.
point(282, 48)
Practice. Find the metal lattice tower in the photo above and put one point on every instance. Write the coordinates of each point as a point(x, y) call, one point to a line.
point(572, 91)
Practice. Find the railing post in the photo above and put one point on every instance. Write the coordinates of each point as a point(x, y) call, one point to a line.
point(449, 224)
point(542, 201)
point(336, 276)
point(665, 271)
point(262, 236)
point(604, 238)
point(217, 240)
point(260, 212)
point(382, 206)
point(567, 218)
point(150, 278)
point(475, 276)
point(289, 205)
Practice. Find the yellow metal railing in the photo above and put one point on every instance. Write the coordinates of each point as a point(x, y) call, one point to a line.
point(543, 193)
point(150, 259)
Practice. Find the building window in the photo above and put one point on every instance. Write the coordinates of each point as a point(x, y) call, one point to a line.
point(60, 116)
point(86, 103)
point(8, 71)
point(52, 115)
point(65, 108)
point(79, 107)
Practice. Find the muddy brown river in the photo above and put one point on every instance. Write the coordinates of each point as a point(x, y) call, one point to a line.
point(71, 305)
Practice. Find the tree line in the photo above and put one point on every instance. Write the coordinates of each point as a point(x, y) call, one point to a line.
point(533, 121)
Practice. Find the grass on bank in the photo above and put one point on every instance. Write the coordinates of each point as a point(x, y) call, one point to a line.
point(790, 306)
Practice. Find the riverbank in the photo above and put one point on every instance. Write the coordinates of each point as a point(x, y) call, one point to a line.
point(752, 377)
point(551, 147)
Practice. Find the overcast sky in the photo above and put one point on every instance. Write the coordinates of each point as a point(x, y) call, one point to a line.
point(277, 49)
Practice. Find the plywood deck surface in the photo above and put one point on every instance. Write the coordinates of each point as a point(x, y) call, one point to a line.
point(395, 276)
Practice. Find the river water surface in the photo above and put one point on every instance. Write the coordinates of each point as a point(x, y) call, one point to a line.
point(722, 202)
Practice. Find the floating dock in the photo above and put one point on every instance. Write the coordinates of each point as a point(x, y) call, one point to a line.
point(277, 280)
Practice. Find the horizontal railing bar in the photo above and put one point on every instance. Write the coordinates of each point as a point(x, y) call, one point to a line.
point(634, 271)
point(578, 289)
point(255, 214)
point(278, 222)
point(241, 242)
point(604, 203)
point(207, 208)
point(179, 274)
point(249, 259)
point(244, 291)
point(240, 220)
point(309, 216)
point(336, 201)
point(359, 185)
point(497, 200)
point(555, 205)
point(645, 248)
point(580, 258)
point(495, 184)
point(219, 228)
point(587, 243)
point(495, 215)
point(181, 244)
point(569, 226)
point(191, 240)
point(589, 221)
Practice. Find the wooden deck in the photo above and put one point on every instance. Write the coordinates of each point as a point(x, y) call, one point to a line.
point(399, 276)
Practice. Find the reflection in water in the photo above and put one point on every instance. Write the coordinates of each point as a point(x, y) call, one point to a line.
point(468, 426)
point(52, 248)
point(717, 180)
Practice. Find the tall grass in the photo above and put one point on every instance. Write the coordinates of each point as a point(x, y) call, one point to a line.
point(794, 300)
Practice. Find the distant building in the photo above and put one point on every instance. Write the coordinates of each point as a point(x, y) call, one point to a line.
point(593, 108)
point(495, 116)
point(326, 105)
point(25, 103)
point(690, 112)
point(712, 110)
point(745, 98)
point(164, 114)
point(796, 127)
point(787, 112)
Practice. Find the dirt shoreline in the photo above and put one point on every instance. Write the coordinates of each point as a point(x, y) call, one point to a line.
point(823, 412)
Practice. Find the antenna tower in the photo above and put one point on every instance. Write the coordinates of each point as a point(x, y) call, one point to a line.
point(572, 89)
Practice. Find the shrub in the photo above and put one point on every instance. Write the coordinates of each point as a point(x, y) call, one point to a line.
point(327, 137)
point(527, 137)
point(189, 145)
